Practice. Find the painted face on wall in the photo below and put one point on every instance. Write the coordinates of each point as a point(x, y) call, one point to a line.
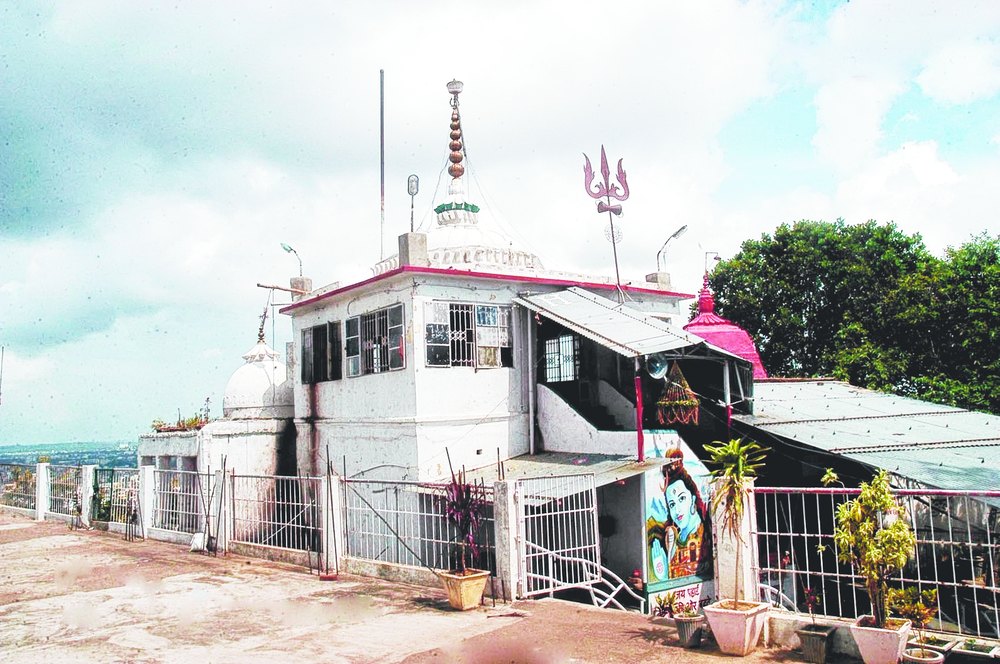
point(681, 506)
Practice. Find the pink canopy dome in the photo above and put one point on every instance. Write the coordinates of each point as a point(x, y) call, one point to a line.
point(723, 333)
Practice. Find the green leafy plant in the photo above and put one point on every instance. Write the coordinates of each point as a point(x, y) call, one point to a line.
point(914, 605)
point(873, 535)
point(976, 646)
point(737, 463)
point(688, 611)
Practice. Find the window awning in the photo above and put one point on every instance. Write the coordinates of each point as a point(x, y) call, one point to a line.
point(606, 469)
point(624, 330)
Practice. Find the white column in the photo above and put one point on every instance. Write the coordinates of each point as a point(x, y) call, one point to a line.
point(86, 493)
point(332, 529)
point(147, 489)
point(505, 518)
point(726, 547)
point(41, 491)
point(217, 523)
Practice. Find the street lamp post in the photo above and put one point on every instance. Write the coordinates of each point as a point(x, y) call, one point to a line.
point(679, 232)
point(288, 249)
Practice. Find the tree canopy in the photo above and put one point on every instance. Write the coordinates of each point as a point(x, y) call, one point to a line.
point(870, 304)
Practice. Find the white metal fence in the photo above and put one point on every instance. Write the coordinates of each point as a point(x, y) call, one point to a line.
point(405, 523)
point(181, 500)
point(277, 512)
point(65, 490)
point(957, 553)
point(17, 485)
point(557, 534)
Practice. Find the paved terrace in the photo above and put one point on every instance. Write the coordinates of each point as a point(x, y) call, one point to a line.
point(88, 596)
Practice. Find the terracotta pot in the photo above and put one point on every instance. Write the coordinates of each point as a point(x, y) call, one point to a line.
point(880, 646)
point(737, 630)
point(922, 656)
point(465, 591)
point(815, 641)
point(689, 630)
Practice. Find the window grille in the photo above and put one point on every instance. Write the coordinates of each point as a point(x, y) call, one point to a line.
point(562, 358)
point(375, 342)
point(467, 335)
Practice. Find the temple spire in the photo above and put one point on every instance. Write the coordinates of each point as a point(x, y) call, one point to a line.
point(456, 169)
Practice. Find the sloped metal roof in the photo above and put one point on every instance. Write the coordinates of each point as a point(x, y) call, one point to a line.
point(606, 468)
point(937, 446)
point(624, 330)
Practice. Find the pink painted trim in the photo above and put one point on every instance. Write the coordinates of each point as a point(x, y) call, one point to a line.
point(853, 492)
point(415, 269)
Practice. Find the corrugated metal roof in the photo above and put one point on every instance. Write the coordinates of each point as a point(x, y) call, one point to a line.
point(616, 326)
point(938, 446)
point(607, 468)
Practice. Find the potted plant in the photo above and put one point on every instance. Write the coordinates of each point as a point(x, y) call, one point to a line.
point(463, 507)
point(815, 638)
point(919, 608)
point(689, 625)
point(736, 623)
point(972, 651)
point(872, 534)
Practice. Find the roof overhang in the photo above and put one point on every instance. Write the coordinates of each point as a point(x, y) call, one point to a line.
point(606, 469)
point(314, 298)
point(617, 326)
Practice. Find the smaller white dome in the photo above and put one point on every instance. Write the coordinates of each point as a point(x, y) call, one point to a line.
point(259, 388)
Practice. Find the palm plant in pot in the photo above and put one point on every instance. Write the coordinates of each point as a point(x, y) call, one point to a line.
point(463, 507)
point(736, 623)
point(872, 534)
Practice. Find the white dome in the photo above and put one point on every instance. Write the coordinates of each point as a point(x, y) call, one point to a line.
point(457, 240)
point(259, 388)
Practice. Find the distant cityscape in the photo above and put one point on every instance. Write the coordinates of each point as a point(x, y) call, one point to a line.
point(105, 454)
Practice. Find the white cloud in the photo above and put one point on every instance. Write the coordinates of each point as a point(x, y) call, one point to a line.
point(962, 73)
point(849, 116)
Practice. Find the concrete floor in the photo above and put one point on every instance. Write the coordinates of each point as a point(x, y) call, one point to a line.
point(88, 596)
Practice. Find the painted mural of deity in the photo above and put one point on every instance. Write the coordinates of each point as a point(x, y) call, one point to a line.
point(678, 527)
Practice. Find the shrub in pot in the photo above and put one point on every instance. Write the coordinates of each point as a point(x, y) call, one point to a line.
point(689, 625)
point(463, 507)
point(919, 608)
point(873, 535)
point(736, 623)
point(815, 638)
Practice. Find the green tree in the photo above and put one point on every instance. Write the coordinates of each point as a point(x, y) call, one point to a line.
point(869, 304)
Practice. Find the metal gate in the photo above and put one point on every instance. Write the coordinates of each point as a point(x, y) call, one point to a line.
point(558, 544)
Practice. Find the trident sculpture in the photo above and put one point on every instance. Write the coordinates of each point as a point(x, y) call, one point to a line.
point(608, 190)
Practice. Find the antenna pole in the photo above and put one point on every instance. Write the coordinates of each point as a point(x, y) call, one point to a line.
point(1, 374)
point(381, 153)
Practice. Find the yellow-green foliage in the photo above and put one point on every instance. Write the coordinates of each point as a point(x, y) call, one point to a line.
point(872, 534)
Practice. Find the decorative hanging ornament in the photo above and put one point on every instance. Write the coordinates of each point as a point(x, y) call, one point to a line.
point(678, 404)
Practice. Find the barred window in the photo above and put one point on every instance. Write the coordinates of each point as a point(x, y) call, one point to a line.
point(467, 335)
point(375, 342)
point(562, 358)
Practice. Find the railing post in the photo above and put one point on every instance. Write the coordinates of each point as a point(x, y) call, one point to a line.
point(331, 535)
point(86, 493)
point(216, 512)
point(726, 558)
point(147, 497)
point(505, 536)
point(41, 491)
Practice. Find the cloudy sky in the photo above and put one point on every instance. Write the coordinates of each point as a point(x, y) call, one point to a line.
point(154, 156)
